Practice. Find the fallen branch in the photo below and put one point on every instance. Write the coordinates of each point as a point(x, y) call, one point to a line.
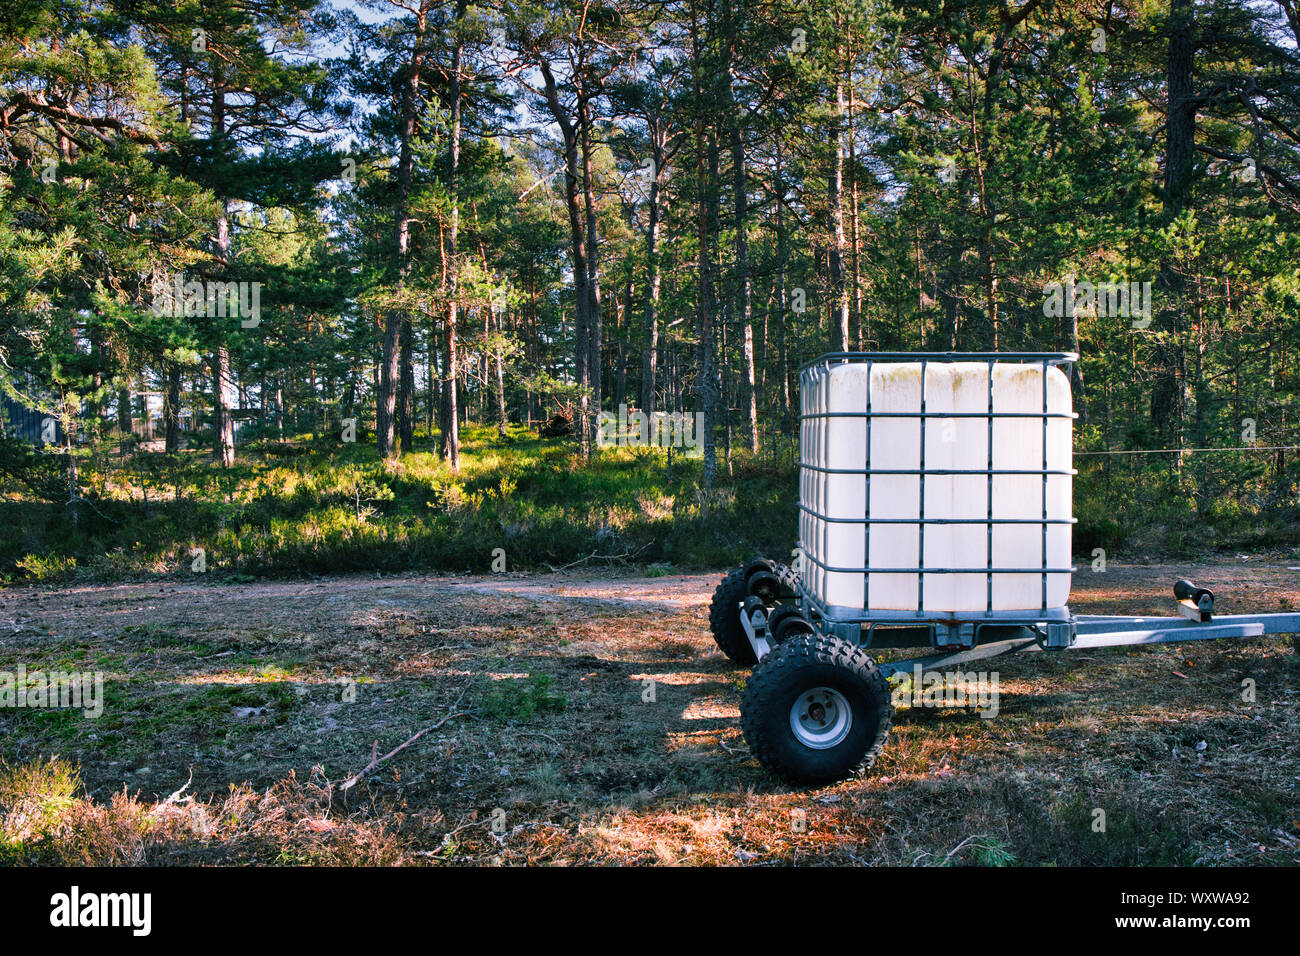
point(958, 847)
point(743, 753)
point(594, 556)
point(376, 760)
point(176, 797)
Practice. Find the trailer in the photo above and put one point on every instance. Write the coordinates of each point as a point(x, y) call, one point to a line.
point(935, 511)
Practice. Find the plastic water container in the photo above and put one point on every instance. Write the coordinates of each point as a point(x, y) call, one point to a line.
point(869, 480)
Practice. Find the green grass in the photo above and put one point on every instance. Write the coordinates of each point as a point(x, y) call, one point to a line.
point(331, 508)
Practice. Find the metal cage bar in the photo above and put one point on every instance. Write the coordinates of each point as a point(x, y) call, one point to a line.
point(1046, 479)
point(920, 528)
point(989, 493)
point(940, 471)
point(812, 512)
point(1052, 358)
point(1069, 415)
point(1035, 569)
point(866, 504)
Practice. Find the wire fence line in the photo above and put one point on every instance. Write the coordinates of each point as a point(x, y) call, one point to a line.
point(1184, 451)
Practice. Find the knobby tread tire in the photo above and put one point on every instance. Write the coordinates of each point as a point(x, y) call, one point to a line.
point(788, 581)
point(803, 662)
point(724, 619)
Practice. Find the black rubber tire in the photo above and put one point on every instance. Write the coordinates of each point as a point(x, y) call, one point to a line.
point(778, 581)
point(776, 617)
point(800, 664)
point(754, 565)
point(724, 619)
point(766, 586)
point(789, 626)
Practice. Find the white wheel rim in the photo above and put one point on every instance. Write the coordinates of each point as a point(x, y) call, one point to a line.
point(821, 718)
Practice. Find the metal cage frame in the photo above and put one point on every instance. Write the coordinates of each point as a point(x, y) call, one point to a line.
point(951, 628)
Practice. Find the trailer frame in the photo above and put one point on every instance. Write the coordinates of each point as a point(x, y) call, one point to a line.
point(957, 636)
point(1085, 632)
point(817, 706)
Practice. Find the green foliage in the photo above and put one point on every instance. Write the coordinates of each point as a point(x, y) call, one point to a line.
point(21, 464)
point(518, 699)
point(34, 797)
point(334, 508)
point(40, 568)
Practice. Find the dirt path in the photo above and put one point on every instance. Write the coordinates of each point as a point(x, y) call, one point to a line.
point(1136, 589)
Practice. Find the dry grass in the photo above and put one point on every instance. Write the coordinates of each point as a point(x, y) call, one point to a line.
point(601, 726)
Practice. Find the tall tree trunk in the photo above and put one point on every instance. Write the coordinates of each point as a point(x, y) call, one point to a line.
point(782, 300)
point(839, 290)
point(124, 410)
point(172, 409)
point(594, 323)
point(223, 426)
point(704, 387)
point(430, 380)
point(451, 425)
point(624, 336)
point(650, 357)
point(501, 377)
point(1167, 399)
point(740, 195)
point(406, 387)
point(950, 291)
point(390, 369)
point(386, 399)
point(1076, 371)
point(223, 422)
point(578, 243)
point(857, 335)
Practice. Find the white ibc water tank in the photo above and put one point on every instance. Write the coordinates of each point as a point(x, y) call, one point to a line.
point(862, 478)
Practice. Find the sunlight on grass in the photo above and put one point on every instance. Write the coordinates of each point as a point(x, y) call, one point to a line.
point(322, 507)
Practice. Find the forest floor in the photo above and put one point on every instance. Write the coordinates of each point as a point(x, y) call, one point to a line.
point(234, 714)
